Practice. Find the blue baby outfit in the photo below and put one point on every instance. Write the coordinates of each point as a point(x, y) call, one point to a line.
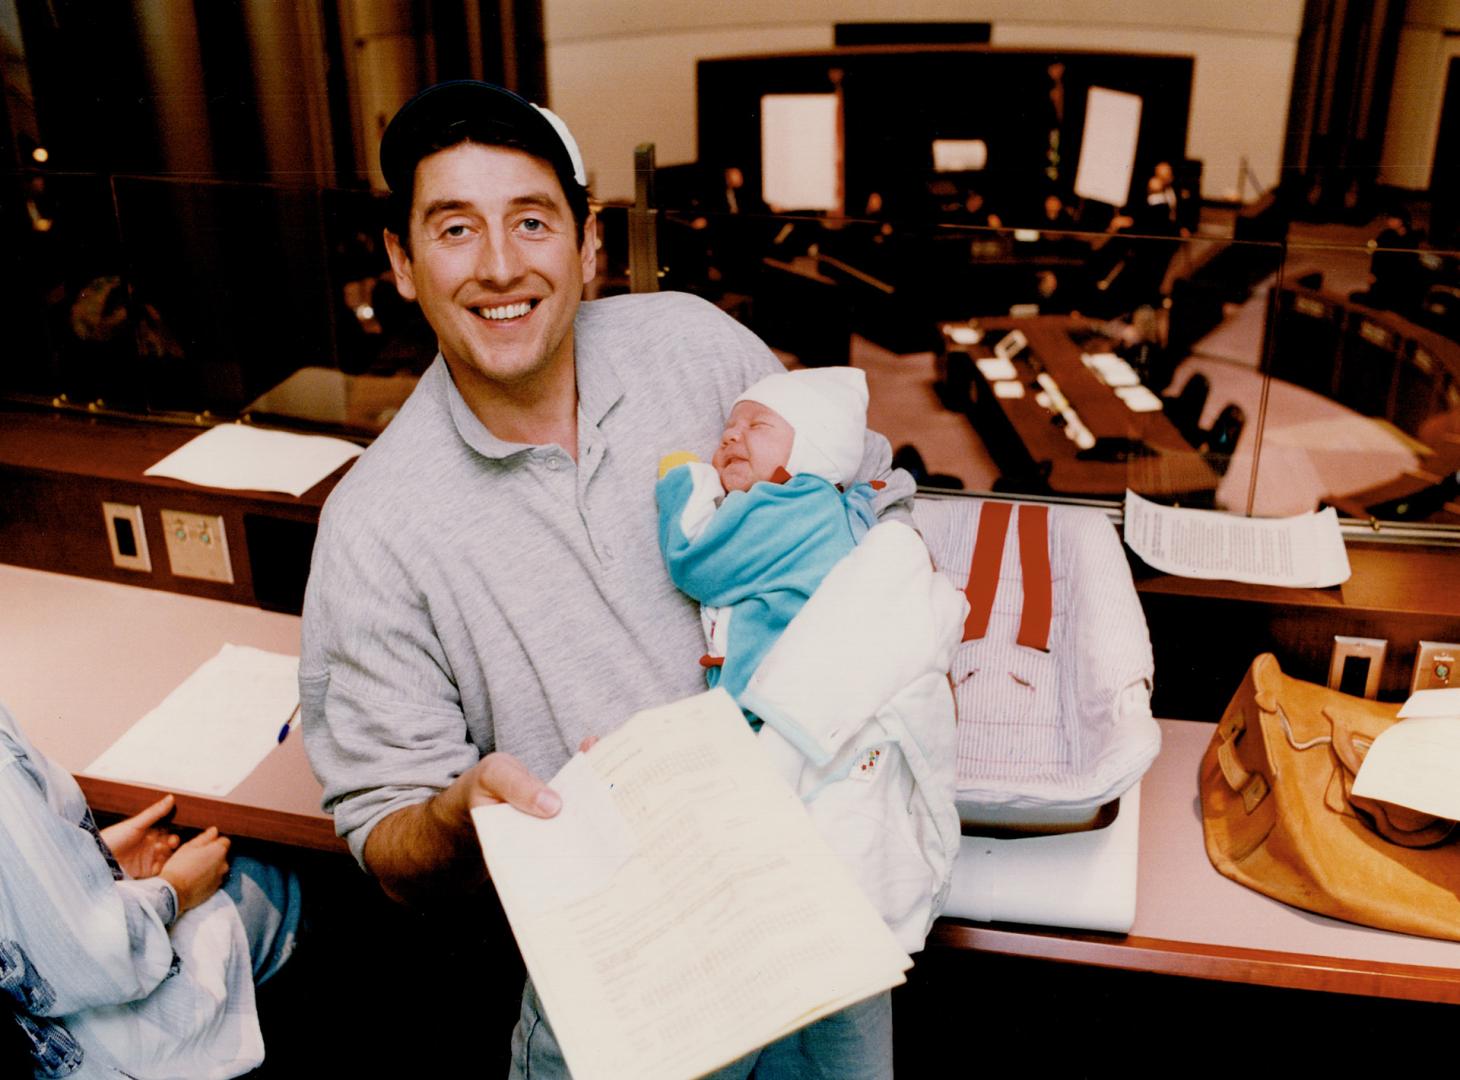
point(756, 559)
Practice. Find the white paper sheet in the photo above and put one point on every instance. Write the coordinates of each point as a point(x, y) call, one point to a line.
point(681, 909)
point(1009, 388)
point(1415, 763)
point(1139, 399)
point(213, 730)
point(237, 456)
point(965, 335)
point(996, 369)
point(1443, 702)
point(1299, 552)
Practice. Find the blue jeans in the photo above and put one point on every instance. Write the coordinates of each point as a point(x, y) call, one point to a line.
point(268, 901)
point(854, 1044)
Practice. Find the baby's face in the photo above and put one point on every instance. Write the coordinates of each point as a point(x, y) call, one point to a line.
point(756, 442)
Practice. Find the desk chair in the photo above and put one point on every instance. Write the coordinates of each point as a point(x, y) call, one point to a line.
point(1221, 438)
point(1185, 409)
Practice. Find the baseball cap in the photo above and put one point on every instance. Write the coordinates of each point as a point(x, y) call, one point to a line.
point(449, 112)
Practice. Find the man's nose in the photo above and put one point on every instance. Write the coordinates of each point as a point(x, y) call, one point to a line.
point(498, 261)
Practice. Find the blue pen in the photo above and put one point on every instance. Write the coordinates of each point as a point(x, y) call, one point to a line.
point(284, 731)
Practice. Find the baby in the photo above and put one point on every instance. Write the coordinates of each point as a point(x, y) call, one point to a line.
point(751, 535)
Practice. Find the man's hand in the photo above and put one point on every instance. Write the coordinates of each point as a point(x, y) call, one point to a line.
point(430, 849)
point(139, 843)
point(197, 868)
point(501, 778)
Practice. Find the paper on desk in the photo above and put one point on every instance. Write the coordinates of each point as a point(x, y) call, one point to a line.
point(965, 335)
point(243, 457)
point(1300, 552)
point(995, 368)
point(1139, 398)
point(681, 910)
point(213, 730)
point(1415, 763)
point(1008, 388)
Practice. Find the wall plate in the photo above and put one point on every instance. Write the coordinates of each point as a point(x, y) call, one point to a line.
point(196, 545)
point(127, 536)
point(1357, 664)
point(1434, 666)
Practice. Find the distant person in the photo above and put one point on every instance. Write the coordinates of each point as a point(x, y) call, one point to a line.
point(123, 951)
point(1394, 263)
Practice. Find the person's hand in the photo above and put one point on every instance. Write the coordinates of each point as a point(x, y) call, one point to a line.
point(140, 844)
point(197, 868)
point(501, 778)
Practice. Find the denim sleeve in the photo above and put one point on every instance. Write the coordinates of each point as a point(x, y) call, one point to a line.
point(85, 939)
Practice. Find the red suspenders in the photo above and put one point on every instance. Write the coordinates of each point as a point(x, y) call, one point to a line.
point(983, 572)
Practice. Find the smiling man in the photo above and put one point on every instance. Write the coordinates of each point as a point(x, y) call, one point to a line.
point(486, 591)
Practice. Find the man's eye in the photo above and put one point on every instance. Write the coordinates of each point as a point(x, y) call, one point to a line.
point(454, 230)
point(532, 225)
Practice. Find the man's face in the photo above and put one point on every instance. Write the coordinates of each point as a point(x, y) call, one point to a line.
point(756, 442)
point(495, 264)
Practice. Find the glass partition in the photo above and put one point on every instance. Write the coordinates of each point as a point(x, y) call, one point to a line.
point(1234, 367)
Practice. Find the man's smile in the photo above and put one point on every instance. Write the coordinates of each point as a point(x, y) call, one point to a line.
point(505, 312)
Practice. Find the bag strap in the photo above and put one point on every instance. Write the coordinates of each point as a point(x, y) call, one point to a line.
point(983, 573)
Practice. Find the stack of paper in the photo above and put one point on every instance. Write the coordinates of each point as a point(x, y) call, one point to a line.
point(681, 910)
point(1300, 552)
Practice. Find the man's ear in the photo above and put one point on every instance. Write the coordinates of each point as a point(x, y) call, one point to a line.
point(400, 263)
point(589, 252)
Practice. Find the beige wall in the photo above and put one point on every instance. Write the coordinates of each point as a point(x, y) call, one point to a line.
point(622, 72)
point(1419, 89)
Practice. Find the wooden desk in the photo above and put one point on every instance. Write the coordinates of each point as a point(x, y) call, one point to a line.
point(1192, 921)
point(82, 660)
point(1023, 435)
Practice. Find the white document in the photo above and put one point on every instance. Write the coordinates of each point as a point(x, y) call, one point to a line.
point(1139, 398)
point(1444, 702)
point(1299, 552)
point(681, 909)
point(238, 456)
point(1415, 763)
point(1112, 370)
point(213, 730)
point(965, 335)
point(996, 368)
point(1009, 388)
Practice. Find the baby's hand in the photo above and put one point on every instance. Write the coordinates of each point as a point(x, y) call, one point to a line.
point(670, 461)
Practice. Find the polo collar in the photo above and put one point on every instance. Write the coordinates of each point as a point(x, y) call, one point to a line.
point(599, 390)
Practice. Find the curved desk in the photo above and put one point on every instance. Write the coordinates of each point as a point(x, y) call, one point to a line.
point(81, 660)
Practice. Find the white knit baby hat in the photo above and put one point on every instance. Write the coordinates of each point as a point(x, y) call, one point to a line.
point(828, 409)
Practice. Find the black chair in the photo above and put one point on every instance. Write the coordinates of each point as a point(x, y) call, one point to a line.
point(1221, 438)
point(1184, 410)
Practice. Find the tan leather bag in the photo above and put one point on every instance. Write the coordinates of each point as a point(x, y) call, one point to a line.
point(1278, 816)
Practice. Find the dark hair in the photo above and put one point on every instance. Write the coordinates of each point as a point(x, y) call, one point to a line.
point(485, 133)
